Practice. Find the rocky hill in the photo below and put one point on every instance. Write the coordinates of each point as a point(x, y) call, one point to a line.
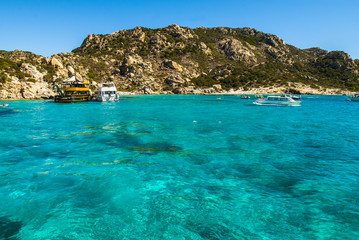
point(182, 61)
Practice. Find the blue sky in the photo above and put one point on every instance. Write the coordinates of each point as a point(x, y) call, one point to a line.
point(50, 27)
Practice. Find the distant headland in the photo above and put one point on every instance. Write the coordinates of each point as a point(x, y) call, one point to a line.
point(181, 60)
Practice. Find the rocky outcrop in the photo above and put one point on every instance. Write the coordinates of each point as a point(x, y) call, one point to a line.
point(176, 81)
point(205, 48)
point(341, 59)
point(32, 71)
point(184, 33)
point(236, 51)
point(27, 90)
point(172, 65)
point(56, 63)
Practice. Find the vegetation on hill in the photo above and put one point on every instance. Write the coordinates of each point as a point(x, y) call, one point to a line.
point(174, 57)
point(247, 58)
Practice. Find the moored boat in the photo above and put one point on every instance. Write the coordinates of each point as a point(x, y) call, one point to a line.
point(245, 97)
point(106, 92)
point(73, 90)
point(277, 101)
point(354, 97)
point(294, 96)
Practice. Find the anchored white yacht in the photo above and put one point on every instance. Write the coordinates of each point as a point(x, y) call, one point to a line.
point(106, 92)
point(277, 101)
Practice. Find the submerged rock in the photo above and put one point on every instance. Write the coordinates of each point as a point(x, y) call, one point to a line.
point(9, 228)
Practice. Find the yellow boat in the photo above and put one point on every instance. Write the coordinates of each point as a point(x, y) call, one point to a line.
point(73, 90)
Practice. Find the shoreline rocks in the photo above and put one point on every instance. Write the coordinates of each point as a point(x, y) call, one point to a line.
point(43, 90)
point(19, 90)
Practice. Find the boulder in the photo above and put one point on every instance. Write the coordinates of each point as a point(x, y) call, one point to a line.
point(249, 31)
point(147, 90)
point(172, 65)
point(204, 48)
point(217, 86)
point(276, 53)
point(273, 40)
point(71, 70)
point(79, 77)
point(55, 62)
point(174, 81)
point(31, 70)
point(132, 59)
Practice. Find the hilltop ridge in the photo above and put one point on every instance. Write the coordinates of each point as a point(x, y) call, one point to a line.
point(182, 60)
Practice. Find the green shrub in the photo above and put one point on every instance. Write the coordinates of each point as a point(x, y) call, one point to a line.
point(204, 81)
point(3, 77)
point(92, 75)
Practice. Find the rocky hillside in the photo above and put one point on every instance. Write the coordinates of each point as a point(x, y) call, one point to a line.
point(182, 61)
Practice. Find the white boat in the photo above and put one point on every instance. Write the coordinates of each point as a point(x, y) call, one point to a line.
point(4, 105)
point(295, 97)
point(277, 101)
point(106, 92)
point(245, 97)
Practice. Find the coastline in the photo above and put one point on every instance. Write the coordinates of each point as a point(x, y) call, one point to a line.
point(229, 93)
point(42, 91)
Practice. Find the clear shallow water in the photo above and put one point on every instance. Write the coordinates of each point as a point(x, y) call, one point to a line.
point(180, 167)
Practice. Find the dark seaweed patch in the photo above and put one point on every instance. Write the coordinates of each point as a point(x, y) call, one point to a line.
point(156, 147)
point(217, 231)
point(9, 228)
point(5, 112)
point(283, 183)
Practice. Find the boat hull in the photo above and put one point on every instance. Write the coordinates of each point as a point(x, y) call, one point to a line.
point(106, 92)
point(111, 98)
point(277, 103)
point(72, 99)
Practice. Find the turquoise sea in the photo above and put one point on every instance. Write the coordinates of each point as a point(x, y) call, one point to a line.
point(179, 167)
